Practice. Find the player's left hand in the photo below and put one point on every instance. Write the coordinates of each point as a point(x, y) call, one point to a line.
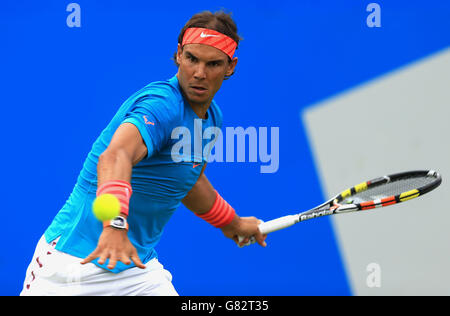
point(245, 227)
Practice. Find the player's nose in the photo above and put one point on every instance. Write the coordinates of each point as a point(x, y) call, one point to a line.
point(199, 72)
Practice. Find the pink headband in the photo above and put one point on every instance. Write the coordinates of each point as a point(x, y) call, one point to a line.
point(209, 37)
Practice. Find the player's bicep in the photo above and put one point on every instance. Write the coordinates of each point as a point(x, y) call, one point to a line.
point(128, 141)
point(203, 169)
point(201, 197)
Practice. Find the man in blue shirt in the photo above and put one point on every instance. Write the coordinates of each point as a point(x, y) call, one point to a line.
point(134, 159)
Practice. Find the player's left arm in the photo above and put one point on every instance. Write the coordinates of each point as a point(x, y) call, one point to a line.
point(200, 199)
point(202, 195)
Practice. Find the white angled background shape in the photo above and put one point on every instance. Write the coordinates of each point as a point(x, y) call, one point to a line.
point(394, 123)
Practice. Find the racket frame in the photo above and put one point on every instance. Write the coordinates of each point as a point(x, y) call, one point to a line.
point(333, 206)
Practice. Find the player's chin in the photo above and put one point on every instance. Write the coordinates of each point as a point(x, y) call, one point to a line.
point(199, 98)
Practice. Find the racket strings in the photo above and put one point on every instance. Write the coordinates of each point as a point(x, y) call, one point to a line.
point(389, 189)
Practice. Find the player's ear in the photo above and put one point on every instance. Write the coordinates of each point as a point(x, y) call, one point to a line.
point(231, 67)
point(179, 52)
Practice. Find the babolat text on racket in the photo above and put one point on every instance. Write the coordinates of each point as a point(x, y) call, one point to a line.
point(379, 192)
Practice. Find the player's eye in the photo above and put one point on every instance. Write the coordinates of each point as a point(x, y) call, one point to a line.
point(214, 63)
point(191, 58)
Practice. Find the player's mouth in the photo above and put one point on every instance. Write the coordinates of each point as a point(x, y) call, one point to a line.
point(198, 89)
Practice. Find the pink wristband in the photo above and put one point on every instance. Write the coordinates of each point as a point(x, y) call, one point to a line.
point(221, 214)
point(121, 189)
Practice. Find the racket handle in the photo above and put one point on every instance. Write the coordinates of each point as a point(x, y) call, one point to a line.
point(272, 226)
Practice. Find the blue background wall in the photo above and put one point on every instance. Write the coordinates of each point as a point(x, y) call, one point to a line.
point(60, 86)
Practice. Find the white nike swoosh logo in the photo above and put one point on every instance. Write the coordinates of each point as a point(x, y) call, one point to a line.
point(203, 35)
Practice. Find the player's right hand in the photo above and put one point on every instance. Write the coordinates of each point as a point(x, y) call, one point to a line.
point(114, 245)
point(245, 227)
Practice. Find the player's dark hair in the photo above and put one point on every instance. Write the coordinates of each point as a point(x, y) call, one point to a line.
point(219, 21)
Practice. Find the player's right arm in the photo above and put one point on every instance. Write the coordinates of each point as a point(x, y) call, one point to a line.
point(125, 150)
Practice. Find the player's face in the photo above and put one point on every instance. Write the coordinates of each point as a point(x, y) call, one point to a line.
point(201, 71)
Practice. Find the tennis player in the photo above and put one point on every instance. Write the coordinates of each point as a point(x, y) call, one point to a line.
point(132, 159)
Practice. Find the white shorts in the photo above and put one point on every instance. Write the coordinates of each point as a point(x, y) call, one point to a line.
point(54, 273)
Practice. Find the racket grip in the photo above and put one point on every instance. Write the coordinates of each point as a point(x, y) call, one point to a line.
point(277, 224)
point(272, 226)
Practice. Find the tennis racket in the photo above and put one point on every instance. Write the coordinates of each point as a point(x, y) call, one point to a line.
point(379, 192)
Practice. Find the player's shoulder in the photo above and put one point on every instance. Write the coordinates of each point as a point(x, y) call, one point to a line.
point(167, 90)
point(160, 97)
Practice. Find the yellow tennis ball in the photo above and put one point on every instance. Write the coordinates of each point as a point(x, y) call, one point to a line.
point(106, 207)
